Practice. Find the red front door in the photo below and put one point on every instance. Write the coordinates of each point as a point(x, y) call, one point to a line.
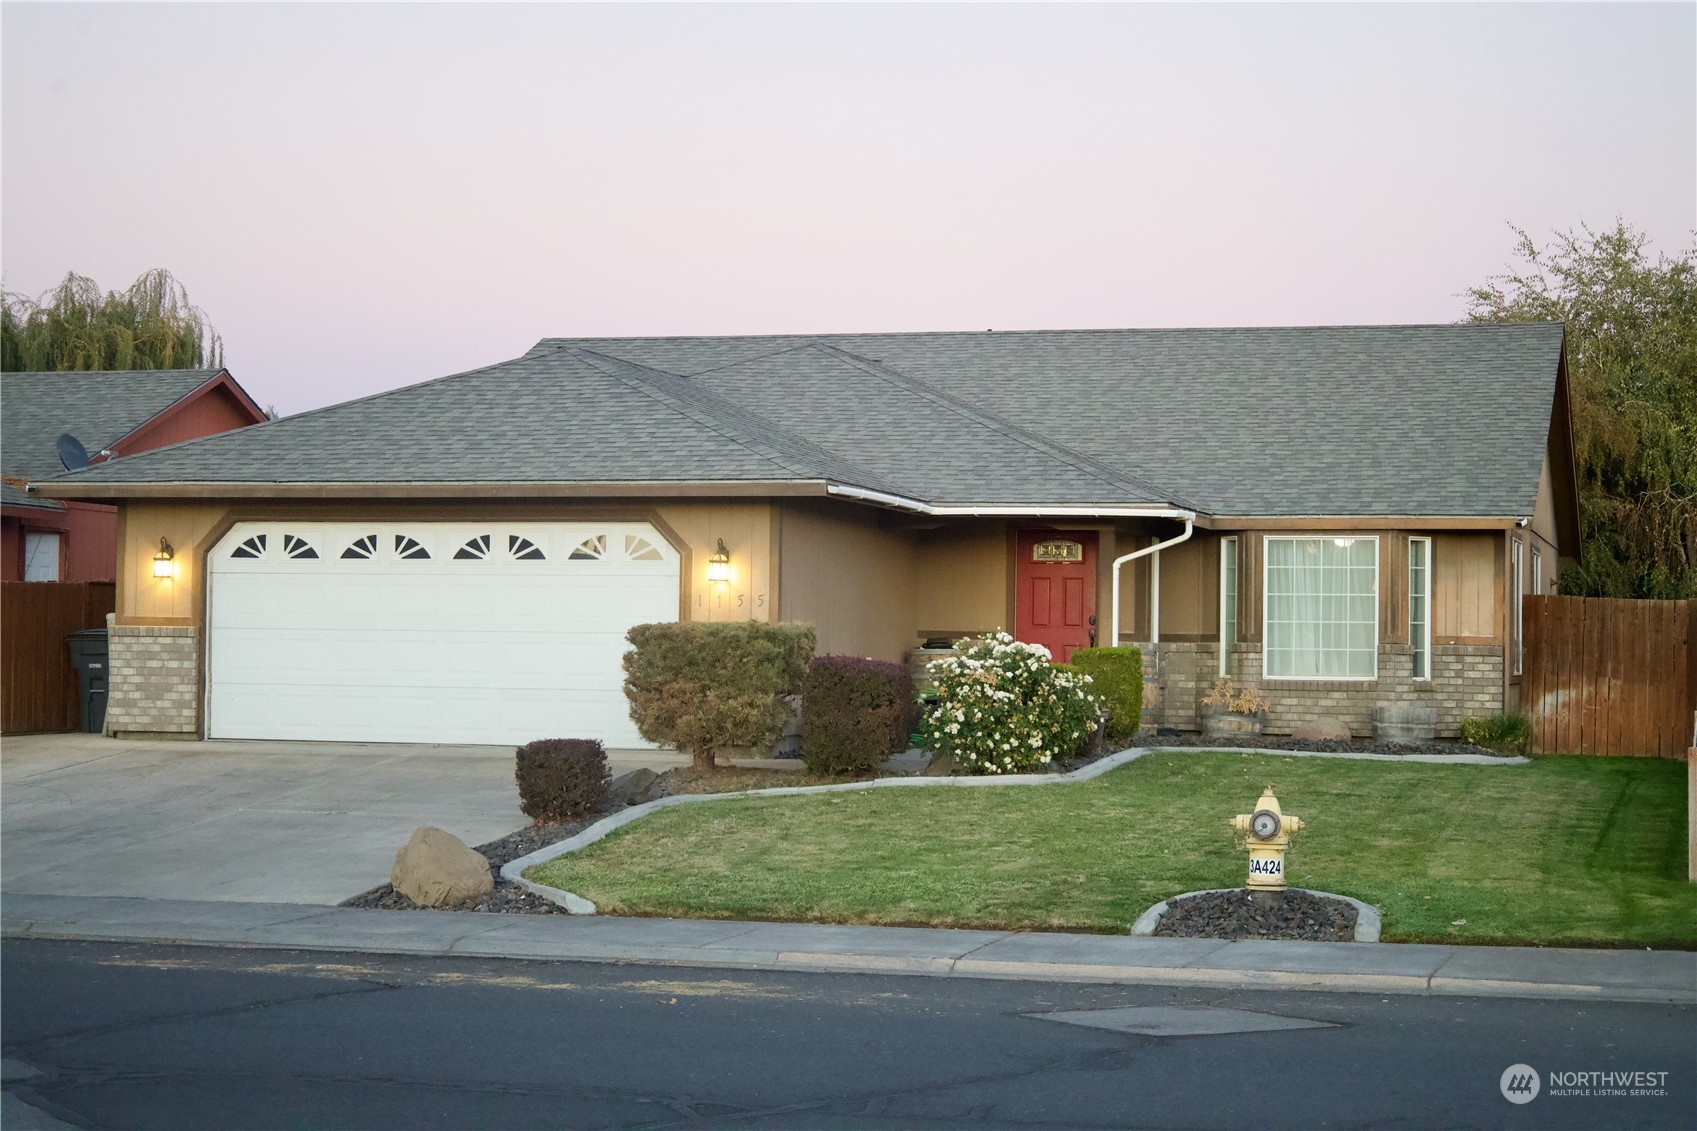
point(1055, 590)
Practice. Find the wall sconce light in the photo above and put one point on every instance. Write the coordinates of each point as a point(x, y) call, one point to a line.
point(165, 561)
point(719, 565)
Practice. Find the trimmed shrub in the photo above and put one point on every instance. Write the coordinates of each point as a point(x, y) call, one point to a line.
point(854, 714)
point(702, 687)
point(1002, 708)
point(561, 779)
point(1117, 682)
point(1506, 734)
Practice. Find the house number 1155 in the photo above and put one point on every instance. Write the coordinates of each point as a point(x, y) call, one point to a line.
point(729, 601)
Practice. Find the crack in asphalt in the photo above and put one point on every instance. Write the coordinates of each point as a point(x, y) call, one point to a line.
point(55, 1040)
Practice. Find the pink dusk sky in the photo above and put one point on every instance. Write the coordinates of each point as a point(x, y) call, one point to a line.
point(365, 196)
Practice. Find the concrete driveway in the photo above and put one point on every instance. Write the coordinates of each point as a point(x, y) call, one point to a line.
point(281, 822)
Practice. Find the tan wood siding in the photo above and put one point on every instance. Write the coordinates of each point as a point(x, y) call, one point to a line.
point(1190, 589)
point(1251, 552)
point(850, 578)
point(1465, 582)
point(193, 528)
point(961, 579)
point(1393, 587)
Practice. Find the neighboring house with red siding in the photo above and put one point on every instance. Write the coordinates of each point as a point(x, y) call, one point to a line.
point(111, 413)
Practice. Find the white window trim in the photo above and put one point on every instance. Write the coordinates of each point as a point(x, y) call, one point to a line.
point(1537, 573)
point(1428, 595)
point(1228, 614)
point(1517, 618)
point(1266, 569)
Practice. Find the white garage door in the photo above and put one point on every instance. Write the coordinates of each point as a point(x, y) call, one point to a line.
point(430, 632)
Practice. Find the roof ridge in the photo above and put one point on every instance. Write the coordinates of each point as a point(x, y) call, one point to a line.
point(717, 414)
point(1077, 459)
point(802, 340)
point(609, 365)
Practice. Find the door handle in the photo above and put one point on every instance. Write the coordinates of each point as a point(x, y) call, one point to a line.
point(1093, 637)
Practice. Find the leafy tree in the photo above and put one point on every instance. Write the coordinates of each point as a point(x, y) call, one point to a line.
point(152, 325)
point(1632, 368)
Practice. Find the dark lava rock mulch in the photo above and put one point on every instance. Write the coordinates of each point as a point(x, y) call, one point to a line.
point(1327, 746)
point(1234, 915)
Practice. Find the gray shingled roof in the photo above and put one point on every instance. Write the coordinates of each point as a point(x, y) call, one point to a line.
point(13, 497)
point(99, 408)
point(1357, 420)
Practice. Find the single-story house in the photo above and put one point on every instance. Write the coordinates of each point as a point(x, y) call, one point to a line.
point(118, 412)
point(1342, 516)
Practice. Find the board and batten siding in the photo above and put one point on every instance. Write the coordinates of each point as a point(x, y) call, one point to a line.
point(961, 579)
point(1190, 589)
point(848, 576)
point(1466, 580)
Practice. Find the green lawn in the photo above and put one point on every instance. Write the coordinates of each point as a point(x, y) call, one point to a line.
point(1567, 850)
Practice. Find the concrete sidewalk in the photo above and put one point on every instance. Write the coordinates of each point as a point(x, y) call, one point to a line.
point(1457, 971)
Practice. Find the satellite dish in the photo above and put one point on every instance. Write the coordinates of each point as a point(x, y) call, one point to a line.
point(71, 452)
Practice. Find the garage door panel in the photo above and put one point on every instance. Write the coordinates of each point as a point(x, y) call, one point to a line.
point(383, 648)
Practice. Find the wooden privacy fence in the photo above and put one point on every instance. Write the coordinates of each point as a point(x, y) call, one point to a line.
point(38, 686)
point(1608, 676)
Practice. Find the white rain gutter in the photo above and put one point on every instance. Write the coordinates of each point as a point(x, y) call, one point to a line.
point(987, 510)
point(1188, 517)
point(1154, 581)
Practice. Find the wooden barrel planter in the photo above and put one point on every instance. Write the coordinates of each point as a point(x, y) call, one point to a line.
point(1396, 722)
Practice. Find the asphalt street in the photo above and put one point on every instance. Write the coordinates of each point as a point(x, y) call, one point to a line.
point(140, 1036)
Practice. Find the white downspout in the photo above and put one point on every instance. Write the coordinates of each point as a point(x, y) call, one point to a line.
point(1155, 597)
point(1155, 581)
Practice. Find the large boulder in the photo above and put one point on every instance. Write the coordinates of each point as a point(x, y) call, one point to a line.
point(633, 788)
point(1322, 730)
point(437, 868)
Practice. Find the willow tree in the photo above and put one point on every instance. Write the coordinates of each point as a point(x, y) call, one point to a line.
point(1632, 368)
point(151, 325)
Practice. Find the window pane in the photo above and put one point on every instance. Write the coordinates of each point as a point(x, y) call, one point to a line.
point(1322, 608)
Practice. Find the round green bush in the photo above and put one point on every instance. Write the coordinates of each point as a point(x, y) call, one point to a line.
point(1002, 708)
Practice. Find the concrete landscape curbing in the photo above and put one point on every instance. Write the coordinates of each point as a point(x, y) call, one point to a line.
point(1367, 921)
point(514, 870)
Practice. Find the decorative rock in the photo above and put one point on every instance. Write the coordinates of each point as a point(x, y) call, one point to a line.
point(633, 788)
point(1322, 730)
point(437, 868)
point(1294, 914)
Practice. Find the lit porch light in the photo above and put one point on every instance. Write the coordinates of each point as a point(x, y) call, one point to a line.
point(719, 565)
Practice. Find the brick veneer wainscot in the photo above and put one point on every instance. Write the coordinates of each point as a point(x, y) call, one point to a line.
point(154, 683)
point(1467, 682)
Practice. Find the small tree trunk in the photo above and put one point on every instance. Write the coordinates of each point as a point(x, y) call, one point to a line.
point(702, 758)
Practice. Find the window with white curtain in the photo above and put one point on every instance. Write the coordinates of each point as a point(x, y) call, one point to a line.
point(1321, 608)
point(1228, 601)
point(1420, 605)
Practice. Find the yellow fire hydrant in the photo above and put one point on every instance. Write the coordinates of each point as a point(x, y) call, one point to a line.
point(1269, 830)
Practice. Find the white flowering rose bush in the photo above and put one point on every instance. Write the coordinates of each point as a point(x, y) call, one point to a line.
point(1002, 708)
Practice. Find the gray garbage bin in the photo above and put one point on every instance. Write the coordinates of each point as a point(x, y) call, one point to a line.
point(88, 656)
